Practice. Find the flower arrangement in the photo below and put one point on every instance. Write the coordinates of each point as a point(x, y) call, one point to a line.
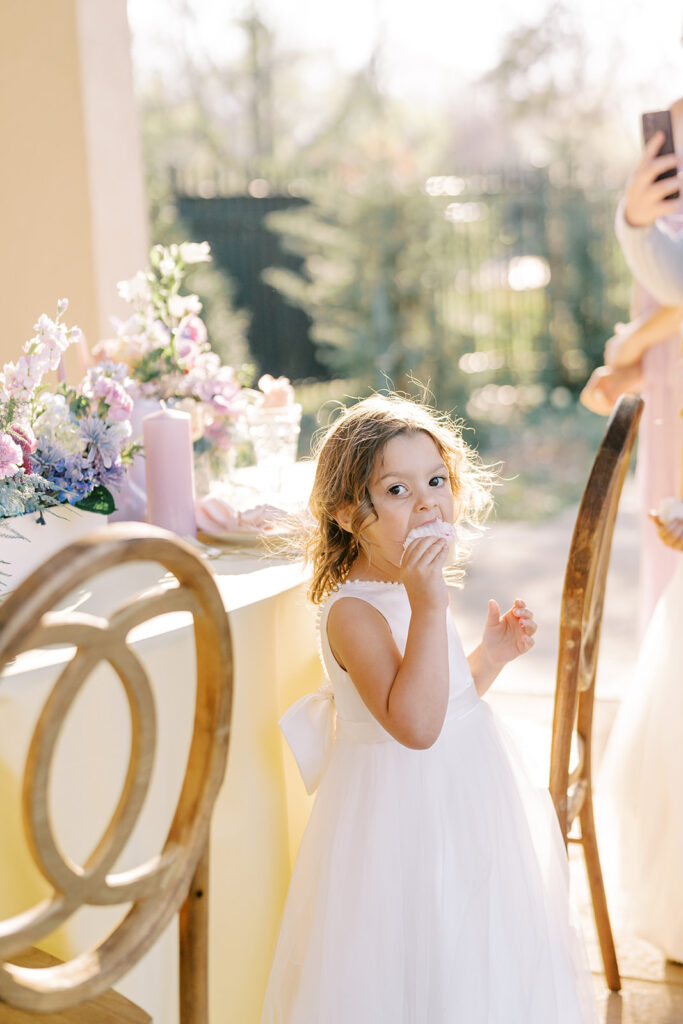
point(68, 445)
point(274, 392)
point(164, 344)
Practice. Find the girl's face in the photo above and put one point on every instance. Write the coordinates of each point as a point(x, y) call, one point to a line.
point(409, 487)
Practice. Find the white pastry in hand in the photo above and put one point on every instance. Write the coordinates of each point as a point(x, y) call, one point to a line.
point(670, 509)
point(437, 528)
point(669, 522)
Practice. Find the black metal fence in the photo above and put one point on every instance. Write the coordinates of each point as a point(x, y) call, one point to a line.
point(243, 246)
point(530, 280)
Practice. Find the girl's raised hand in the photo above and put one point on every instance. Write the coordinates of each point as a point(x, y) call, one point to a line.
point(646, 198)
point(507, 636)
point(421, 572)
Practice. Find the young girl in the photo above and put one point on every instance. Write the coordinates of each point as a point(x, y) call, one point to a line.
point(431, 883)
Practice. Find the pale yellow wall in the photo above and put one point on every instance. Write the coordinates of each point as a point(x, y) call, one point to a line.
point(72, 207)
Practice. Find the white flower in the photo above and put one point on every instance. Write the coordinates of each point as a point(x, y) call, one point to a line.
point(136, 289)
point(167, 265)
point(195, 252)
point(54, 422)
point(184, 305)
point(62, 306)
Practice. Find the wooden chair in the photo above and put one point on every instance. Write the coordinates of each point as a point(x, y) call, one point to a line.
point(176, 880)
point(581, 618)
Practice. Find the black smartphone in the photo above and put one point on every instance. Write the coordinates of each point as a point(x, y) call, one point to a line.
point(660, 120)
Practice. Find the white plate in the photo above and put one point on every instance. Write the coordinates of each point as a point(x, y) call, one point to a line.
point(246, 538)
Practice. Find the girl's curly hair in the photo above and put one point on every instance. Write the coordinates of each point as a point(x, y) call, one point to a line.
point(346, 455)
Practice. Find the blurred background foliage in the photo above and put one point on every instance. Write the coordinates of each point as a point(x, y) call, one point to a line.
point(362, 242)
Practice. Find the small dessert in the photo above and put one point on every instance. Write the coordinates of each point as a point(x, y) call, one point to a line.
point(670, 508)
point(669, 522)
point(437, 528)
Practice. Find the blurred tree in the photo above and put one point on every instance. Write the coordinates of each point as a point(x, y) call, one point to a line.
point(400, 282)
point(558, 115)
point(372, 244)
point(552, 105)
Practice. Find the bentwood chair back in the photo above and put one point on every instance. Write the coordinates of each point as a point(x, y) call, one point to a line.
point(581, 619)
point(174, 881)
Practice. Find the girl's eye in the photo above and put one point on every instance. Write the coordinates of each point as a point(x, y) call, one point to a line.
point(396, 489)
point(437, 481)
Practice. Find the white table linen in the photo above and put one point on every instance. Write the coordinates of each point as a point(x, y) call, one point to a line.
point(262, 807)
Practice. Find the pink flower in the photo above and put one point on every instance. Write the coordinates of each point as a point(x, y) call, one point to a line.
point(194, 328)
point(116, 397)
point(24, 376)
point(25, 439)
point(11, 456)
point(276, 392)
point(187, 351)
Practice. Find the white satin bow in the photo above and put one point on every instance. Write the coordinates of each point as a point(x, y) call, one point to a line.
point(308, 727)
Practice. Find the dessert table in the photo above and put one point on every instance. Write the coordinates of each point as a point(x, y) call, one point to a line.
point(262, 807)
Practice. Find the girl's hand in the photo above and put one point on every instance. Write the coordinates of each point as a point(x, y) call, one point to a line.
point(421, 572)
point(507, 636)
point(605, 385)
point(598, 393)
point(646, 198)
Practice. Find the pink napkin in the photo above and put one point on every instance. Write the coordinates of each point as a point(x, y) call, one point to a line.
point(215, 516)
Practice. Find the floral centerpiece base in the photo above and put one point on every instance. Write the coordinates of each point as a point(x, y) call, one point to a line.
point(27, 541)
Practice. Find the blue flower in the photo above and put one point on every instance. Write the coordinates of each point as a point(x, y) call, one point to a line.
point(100, 440)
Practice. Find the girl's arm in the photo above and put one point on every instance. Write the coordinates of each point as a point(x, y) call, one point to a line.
point(505, 637)
point(631, 340)
point(407, 695)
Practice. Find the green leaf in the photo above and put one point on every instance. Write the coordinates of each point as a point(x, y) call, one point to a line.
point(99, 500)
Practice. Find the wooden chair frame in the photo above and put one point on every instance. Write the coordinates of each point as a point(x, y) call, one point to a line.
point(177, 878)
point(581, 619)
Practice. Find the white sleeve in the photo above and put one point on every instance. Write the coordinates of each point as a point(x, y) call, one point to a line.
point(654, 257)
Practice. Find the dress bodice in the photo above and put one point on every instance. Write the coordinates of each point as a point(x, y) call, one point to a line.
point(317, 722)
point(391, 601)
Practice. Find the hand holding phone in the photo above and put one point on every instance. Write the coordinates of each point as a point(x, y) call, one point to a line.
point(660, 120)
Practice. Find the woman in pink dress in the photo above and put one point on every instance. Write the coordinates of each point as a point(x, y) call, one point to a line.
point(640, 804)
point(645, 356)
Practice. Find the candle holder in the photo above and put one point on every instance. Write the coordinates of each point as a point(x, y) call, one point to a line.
point(274, 435)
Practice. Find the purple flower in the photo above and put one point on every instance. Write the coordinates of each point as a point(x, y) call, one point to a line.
point(103, 442)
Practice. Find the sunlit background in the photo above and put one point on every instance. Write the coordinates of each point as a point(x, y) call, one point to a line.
point(405, 192)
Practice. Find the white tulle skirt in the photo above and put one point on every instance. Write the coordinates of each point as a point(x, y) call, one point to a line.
point(431, 887)
point(640, 797)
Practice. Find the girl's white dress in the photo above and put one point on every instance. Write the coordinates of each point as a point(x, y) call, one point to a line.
point(431, 886)
point(640, 806)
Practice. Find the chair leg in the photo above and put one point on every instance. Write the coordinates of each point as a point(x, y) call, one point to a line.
point(193, 935)
point(597, 890)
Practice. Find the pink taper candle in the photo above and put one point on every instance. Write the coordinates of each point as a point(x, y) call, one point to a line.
point(169, 471)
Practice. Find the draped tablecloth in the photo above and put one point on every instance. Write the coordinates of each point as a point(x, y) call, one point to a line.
point(262, 807)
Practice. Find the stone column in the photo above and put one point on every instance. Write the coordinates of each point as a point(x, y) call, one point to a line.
point(72, 202)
